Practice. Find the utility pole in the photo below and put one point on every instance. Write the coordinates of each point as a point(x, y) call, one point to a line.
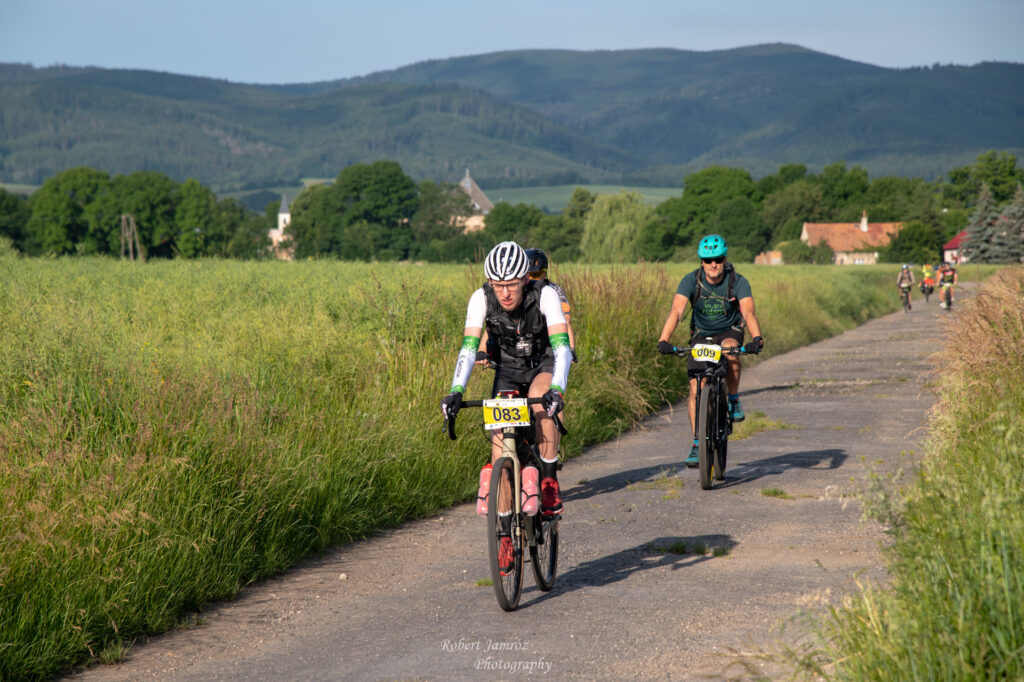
point(130, 235)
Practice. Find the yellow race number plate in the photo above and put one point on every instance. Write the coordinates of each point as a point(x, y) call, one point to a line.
point(500, 413)
point(706, 352)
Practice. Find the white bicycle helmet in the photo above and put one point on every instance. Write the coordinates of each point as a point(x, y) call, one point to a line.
point(505, 262)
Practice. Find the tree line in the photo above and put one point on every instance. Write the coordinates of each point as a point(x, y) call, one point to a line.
point(376, 211)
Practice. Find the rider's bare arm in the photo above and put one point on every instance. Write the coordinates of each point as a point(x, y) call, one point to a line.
point(749, 316)
point(679, 303)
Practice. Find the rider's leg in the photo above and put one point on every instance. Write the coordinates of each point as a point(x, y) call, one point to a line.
point(547, 443)
point(732, 377)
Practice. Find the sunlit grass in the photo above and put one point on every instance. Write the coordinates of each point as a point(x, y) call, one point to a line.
point(955, 609)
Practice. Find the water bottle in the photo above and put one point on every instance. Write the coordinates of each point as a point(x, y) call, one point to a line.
point(531, 491)
point(485, 486)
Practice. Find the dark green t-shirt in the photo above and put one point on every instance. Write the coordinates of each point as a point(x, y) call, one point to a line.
point(713, 313)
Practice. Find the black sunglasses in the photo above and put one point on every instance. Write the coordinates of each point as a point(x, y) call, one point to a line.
point(720, 259)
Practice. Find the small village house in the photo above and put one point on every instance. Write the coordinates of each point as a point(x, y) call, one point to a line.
point(851, 243)
point(278, 245)
point(951, 249)
point(481, 205)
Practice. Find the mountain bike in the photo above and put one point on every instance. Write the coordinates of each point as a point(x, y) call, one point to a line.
point(947, 295)
point(905, 297)
point(713, 423)
point(509, 412)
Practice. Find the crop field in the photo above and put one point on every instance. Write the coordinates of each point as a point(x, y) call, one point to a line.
point(556, 197)
point(175, 430)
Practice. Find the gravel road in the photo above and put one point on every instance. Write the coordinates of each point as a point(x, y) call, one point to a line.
point(405, 605)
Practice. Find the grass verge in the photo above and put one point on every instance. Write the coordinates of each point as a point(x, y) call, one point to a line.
point(955, 607)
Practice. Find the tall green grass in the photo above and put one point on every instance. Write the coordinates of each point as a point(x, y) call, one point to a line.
point(955, 607)
point(175, 430)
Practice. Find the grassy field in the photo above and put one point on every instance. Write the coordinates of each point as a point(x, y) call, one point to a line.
point(175, 430)
point(555, 198)
point(955, 606)
point(18, 189)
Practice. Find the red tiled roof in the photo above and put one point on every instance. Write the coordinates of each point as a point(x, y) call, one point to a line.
point(849, 236)
point(956, 241)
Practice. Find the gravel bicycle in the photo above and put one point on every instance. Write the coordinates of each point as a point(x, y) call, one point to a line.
point(947, 295)
point(905, 297)
point(509, 412)
point(927, 287)
point(713, 424)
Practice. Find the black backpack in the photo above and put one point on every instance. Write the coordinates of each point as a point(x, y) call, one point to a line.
point(698, 287)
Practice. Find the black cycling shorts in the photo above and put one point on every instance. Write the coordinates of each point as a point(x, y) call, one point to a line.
point(508, 378)
point(694, 368)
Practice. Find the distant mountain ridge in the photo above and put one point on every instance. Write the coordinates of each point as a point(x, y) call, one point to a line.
point(517, 118)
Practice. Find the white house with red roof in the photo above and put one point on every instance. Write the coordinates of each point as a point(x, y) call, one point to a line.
point(852, 243)
point(951, 249)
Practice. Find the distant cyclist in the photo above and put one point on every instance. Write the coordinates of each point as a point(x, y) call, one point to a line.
point(723, 307)
point(524, 319)
point(946, 276)
point(905, 282)
point(928, 272)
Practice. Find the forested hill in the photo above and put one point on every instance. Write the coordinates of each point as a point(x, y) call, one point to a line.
point(525, 117)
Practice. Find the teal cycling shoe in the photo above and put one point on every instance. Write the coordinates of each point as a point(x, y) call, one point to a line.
point(736, 411)
point(694, 458)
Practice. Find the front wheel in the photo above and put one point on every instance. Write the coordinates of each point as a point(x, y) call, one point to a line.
point(506, 570)
point(947, 297)
point(905, 299)
point(707, 434)
point(544, 553)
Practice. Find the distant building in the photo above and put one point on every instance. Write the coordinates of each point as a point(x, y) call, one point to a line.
point(768, 258)
point(852, 243)
point(278, 245)
point(481, 205)
point(951, 249)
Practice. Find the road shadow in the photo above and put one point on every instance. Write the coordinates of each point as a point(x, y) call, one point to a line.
point(675, 552)
point(777, 387)
point(745, 472)
point(618, 481)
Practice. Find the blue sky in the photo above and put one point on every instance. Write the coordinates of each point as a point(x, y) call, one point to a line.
point(267, 41)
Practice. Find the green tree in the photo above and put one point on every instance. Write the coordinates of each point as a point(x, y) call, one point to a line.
point(315, 227)
point(507, 222)
point(579, 204)
point(611, 229)
point(843, 190)
point(14, 217)
point(784, 212)
point(998, 170)
point(1009, 240)
point(795, 252)
point(916, 242)
point(379, 193)
point(981, 233)
point(442, 208)
point(739, 221)
point(149, 196)
point(703, 193)
point(58, 210)
point(195, 220)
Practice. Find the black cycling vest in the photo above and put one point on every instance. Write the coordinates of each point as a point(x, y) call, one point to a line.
point(522, 333)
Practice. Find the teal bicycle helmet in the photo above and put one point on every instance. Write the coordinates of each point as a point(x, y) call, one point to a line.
point(712, 246)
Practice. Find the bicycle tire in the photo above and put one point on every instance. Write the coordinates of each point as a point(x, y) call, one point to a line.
point(723, 442)
point(706, 447)
point(544, 552)
point(947, 296)
point(509, 587)
point(905, 299)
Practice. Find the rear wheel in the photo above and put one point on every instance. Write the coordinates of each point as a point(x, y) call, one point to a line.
point(507, 587)
point(544, 554)
point(707, 435)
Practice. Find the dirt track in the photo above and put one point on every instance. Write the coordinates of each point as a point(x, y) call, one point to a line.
point(405, 605)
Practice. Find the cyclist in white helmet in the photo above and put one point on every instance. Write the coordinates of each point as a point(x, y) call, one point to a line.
point(524, 318)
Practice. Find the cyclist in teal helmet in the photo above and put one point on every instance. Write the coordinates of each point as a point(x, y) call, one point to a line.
point(723, 309)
